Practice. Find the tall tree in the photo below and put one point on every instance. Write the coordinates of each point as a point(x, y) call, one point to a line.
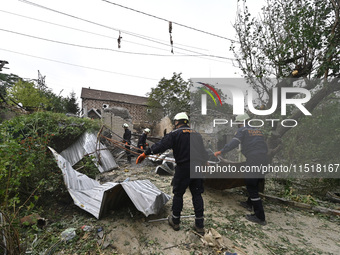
point(6, 81)
point(71, 105)
point(34, 96)
point(291, 39)
point(28, 95)
point(172, 95)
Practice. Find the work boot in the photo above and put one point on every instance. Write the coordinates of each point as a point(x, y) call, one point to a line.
point(199, 230)
point(247, 206)
point(172, 224)
point(253, 218)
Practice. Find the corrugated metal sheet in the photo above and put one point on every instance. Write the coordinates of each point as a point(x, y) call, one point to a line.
point(97, 198)
point(86, 144)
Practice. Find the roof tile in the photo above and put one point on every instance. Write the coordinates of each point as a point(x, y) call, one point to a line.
point(112, 96)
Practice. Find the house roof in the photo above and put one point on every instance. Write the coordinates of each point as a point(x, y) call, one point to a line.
point(87, 93)
point(95, 111)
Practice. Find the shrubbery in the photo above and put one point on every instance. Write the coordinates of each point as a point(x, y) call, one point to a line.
point(27, 168)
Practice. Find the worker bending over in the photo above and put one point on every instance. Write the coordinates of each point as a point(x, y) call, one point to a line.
point(254, 148)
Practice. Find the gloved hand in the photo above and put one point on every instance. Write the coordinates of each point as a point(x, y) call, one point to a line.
point(140, 158)
point(217, 153)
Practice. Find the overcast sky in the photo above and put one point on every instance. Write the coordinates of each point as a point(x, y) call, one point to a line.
point(73, 43)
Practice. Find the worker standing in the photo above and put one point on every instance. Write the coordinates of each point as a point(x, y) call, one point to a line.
point(127, 141)
point(142, 144)
point(254, 148)
point(188, 150)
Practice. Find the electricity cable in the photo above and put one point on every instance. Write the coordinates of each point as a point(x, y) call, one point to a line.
point(106, 36)
point(86, 67)
point(108, 49)
point(95, 23)
point(178, 24)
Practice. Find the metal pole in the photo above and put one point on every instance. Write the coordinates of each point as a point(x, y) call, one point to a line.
point(163, 219)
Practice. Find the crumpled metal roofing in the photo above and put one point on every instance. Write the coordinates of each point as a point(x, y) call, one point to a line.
point(97, 198)
point(85, 145)
point(167, 167)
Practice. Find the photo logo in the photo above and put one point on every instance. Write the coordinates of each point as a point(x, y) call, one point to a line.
point(204, 97)
point(239, 99)
point(213, 90)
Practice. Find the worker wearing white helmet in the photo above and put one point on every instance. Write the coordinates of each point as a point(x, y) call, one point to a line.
point(127, 141)
point(254, 148)
point(187, 146)
point(142, 144)
point(242, 117)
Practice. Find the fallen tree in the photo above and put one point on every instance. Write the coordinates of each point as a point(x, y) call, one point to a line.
point(290, 41)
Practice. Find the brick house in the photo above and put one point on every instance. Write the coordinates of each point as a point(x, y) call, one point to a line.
point(98, 100)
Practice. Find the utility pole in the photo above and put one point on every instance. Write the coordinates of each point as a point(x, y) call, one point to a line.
point(41, 81)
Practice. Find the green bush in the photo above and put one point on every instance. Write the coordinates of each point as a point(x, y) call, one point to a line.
point(27, 168)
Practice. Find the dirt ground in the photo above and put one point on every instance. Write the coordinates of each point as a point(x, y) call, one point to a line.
point(289, 230)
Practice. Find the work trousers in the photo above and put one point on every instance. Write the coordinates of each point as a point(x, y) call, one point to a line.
point(180, 184)
point(128, 153)
point(254, 198)
point(252, 184)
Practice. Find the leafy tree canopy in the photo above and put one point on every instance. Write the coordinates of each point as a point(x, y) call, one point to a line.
point(71, 105)
point(291, 39)
point(35, 95)
point(6, 81)
point(172, 95)
point(25, 93)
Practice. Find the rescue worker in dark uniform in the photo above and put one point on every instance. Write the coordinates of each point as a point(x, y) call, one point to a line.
point(188, 150)
point(127, 141)
point(254, 148)
point(142, 144)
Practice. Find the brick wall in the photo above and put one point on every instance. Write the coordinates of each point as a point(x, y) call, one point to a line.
point(138, 112)
point(115, 123)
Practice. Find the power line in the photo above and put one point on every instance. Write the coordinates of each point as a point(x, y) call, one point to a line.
point(178, 24)
point(126, 32)
point(106, 36)
point(97, 24)
point(86, 67)
point(77, 29)
point(108, 49)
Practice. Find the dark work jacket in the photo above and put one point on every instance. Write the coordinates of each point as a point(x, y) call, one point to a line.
point(142, 140)
point(127, 136)
point(251, 139)
point(187, 146)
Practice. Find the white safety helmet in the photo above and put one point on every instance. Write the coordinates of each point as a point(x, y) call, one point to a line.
point(125, 125)
point(147, 130)
point(242, 117)
point(181, 116)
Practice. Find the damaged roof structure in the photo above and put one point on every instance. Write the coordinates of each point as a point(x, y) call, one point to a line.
point(88, 144)
point(96, 198)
